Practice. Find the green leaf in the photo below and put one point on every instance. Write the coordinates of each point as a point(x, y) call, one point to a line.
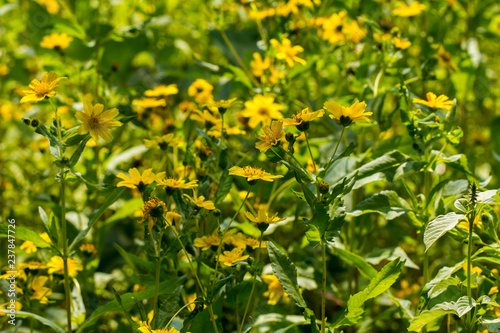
point(380, 283)
point(346, 152)
point(49, 224)
point(224, 188)
point(115, 195)
point(165, 288)
point(241, 76)
point(24, 234)
point(426, 317)
point(386, 203)
point(378, 256)
point(439, 226)
point(218, 286)
point(43, 320)
point(78, 152)
point(493, 325)
point(286, 273)
point(351, 258)
point(168, 307)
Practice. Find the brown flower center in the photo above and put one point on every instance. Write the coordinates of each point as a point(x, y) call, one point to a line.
point(263, 111)
point(94, 122)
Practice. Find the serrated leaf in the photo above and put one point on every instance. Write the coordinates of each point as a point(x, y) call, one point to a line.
point(439, 226)
point(286, 273)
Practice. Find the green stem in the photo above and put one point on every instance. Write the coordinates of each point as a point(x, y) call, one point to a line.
point(253, 285)
point(469, 265)
point(310, 151)
point(323, 291)
point(175, 315)
point(157, 274)
point(335, 151)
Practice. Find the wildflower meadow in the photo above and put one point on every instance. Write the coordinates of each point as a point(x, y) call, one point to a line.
point(249, 166)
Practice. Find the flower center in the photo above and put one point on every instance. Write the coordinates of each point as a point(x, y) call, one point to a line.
point(94, 122)
point(263, 111)
point(42, 89)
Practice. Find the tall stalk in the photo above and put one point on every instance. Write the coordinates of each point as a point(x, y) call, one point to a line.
point(323, 289)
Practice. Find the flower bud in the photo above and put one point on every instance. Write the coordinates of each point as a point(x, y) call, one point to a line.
point(290, 137)
point(324, 187)
point(35, 123)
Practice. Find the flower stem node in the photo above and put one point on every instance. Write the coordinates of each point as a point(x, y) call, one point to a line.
point(26, 121)
point(35, 123)
point(262, 226)
point(303, 127)
point(216, 212)
point(290, 138)
point(324, 187)
point(157, 211)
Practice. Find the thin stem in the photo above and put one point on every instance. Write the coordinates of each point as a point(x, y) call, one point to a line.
point(310, 151)
point(335, 151)
point(175, 315)
point(157, 274)
point(469, 263)
point(323, 292)
point(253, 285)
point(224, 233)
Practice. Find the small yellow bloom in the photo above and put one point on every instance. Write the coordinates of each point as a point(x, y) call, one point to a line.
point(302, 118)
point(221, 105)
point(228, 258)
point(28, 247)
point(39, 291)
point(264, 217)
point(149, 103)
point(445, 59)
point(401, 43)
point(216, 132)
point(253, 173)
point(4, 70)
point(259, 65)
point(171, 184)
point(163, 142)
point(272, 136)
point(493, 290)
point(56, 41)
point(136, 180)
point(403, 10)
point(201, 90)
point(174, 219)
point(261, 110)
point(96, 122)
point(45, 237)
point(17, 307)
point(51, 5)
point(208, 120)
point(45, 88)
point(200, 202)
point(346, 115)
point(207, 242)
point(89, 248)
point(162, 91)
point(433, 101)
point(56, 265)
point(275, 291)
point(152, 211)
point(474, 269)
point(287, 52)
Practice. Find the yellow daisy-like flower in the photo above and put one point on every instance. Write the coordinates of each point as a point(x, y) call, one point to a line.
point(302, 118)
point(287, 52)
point(275, 291)
point(149, 103)
point(264, 217)
point(253, 243)
point(28, 247)
point(261, 110)
point(403, 10)
point(163, 142)
point(272, 136)
point(252, 174)
point(207, 242)
point(152, 211)
point(172, 184)
point(401, 43)
point(146, 328)
point(45, 237)
point(31, 265)
point(228, 258)
point(39, 291)
point(56, 265)
point(208, 120)
point(216, 132)
point(136, 180)
point(51, 5)
point(346, 115)
point(445, 59)
point(89, 248)
point(259, 65)
point(201, 90)
point(221, 105)
point(162, 91)
point(56, 41)
point(96, 122)
point(200, 202)
point(435, 102)
point(45, 88)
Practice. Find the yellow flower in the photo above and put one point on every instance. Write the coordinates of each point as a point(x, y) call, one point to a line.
point(4, 70)
point(163, 142)
point(228, 258)
point(149, 103)
point(401, 43)
point(331, 29)
point(89, 248)
point(162, 90)
point(433, 101)
point(152, 211)
point(171, 184)
point(45, 237)
point(253, 243)
point(28, 247)
point(288, 52)
point(51, 5)
point(136, 180)
point(258, 65)
point(261, 110)
point(474, 269)
point(207, 242)
point(56, 41)
point(275, 291)
point(39, 291)
point(208, 120)
point(146, 328)
point(201, 90)
point(302, 118)
point(96, 122)
point(264, 217)
point(56, 265)
point(17, 307)
point(45, 88)
point(271, 137)
point(200, 202)
point(403, 10)
point(228, 130)
point(253, 174)
point(221, 105)
point(174, 219)
point(345, 116)
point(445, 59)
point(493, 290)
point(31, 265)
